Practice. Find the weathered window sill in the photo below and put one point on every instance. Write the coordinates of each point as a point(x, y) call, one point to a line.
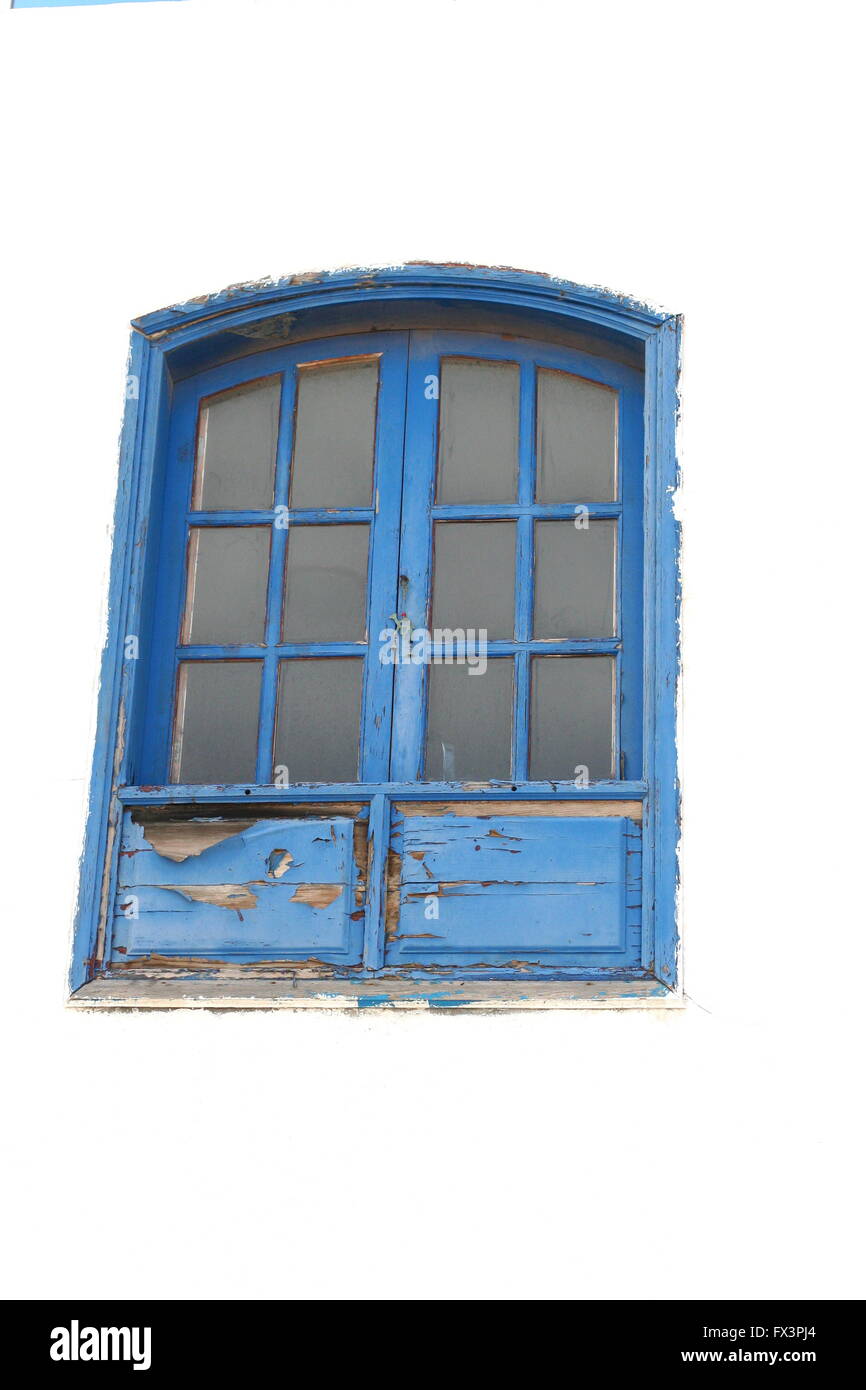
point(146, 992)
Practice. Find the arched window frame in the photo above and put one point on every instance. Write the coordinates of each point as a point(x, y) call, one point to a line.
point(157, 336)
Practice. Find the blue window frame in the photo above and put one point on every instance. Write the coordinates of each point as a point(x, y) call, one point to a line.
point(310, 775)
point(386, 355)
point(423, 514)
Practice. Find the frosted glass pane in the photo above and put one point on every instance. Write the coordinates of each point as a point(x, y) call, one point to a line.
point(227, 578)
point(571, 718)
point(478, 426)
point(318, 719)
point(237, 446)
point(326, 584)
point(473, 576)
point(469, 723)
point(576, 439)
point(574, 579)
point(335, 427)
point(216, 721)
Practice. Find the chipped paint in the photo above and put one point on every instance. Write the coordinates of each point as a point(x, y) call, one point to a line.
point(108, 864)
point(513, 890)
point(253, 301)
point(317, 894)
point(233, 895)
point(181, 840)
point(237, 889)
point(486, 809)
point(278, 862)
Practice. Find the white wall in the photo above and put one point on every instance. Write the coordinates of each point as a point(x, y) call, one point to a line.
point(699, 157)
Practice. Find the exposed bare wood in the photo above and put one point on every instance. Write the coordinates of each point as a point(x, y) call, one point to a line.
point(265, 810)
point(317, 894)
point(282, 864)
point(392, 895)
point(156, 966)
point(235, 895)
point(182, 839)
point(102, 923)
point(631, 810)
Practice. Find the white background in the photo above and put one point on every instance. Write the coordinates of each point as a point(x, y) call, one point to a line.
point(703, 158)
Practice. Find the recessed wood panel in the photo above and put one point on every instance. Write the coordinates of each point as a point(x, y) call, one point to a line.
point(266, 890)
point(511, 889)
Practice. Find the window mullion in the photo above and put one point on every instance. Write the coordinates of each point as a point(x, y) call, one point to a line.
point(524, 572)
point(274, 617)
point(520, 720)
point(383, 559)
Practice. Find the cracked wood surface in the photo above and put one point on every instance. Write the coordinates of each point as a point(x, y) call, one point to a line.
point(512, 889)
point(237, 888)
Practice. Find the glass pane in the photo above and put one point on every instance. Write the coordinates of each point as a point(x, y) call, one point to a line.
point(335, 428)
point(326, 584)
point(574, 579)
point(318, 719)
point(571, 718)
point(478, 426)
point(469, 723)
point(473, 576)
point(237, 446)
point(217, 721)
point(227, 577)
point(576, 439)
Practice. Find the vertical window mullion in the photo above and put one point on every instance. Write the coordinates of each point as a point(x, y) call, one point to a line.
point(274, 618)
point(383, 558)
point(267, 714)
point(524, 572)
point(520, 720)
point(420, 457)
point(526, 445)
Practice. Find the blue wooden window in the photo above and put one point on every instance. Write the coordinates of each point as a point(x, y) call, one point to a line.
point(392, 693)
